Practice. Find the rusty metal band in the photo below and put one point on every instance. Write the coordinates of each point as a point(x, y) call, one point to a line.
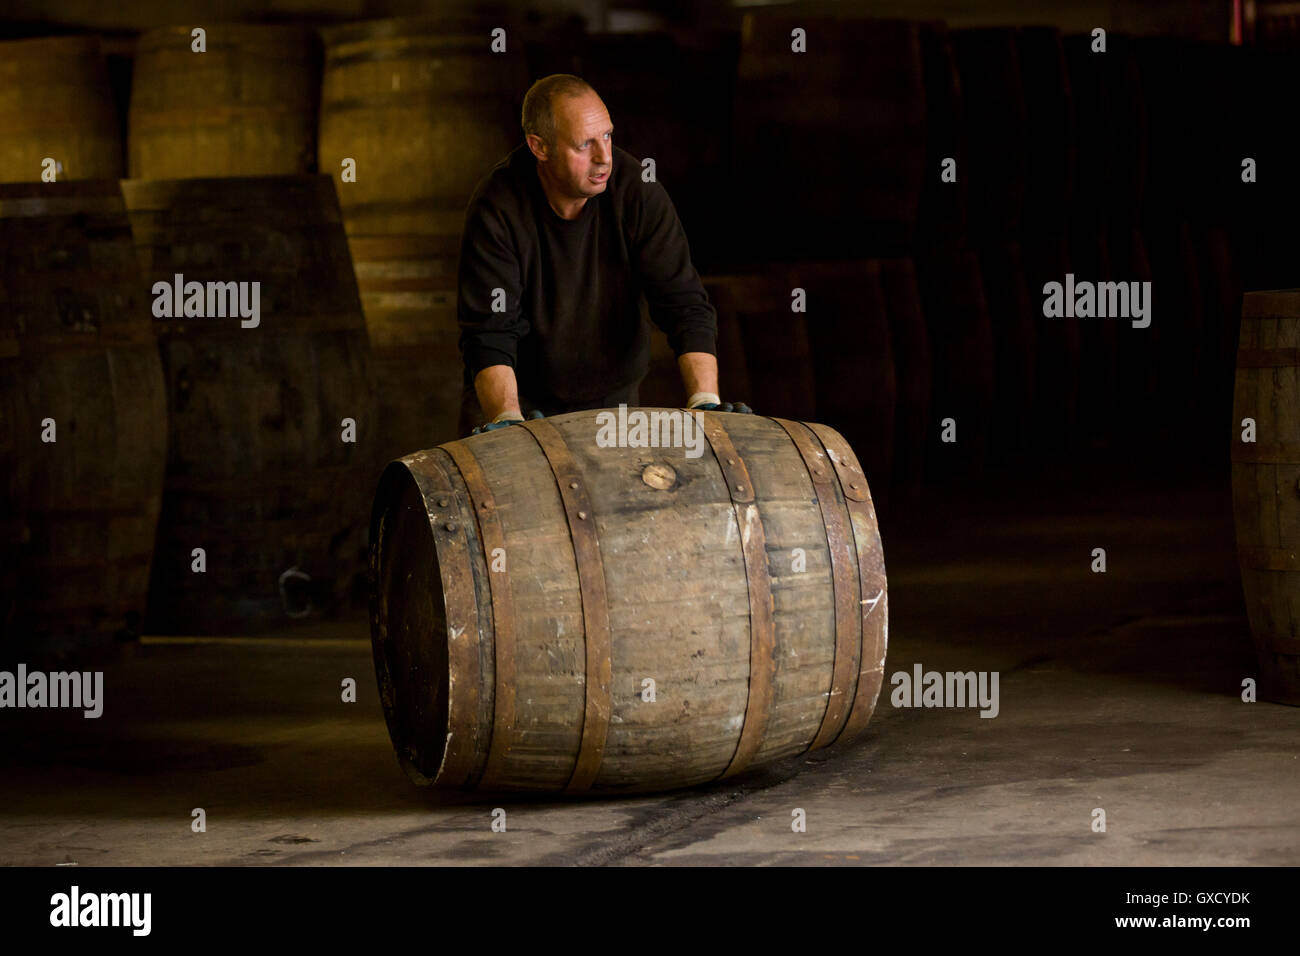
point(446, 509)
point(874, 598)
point(598, 681)
point(1266, 453)
point(1268, 559)
point(1268, 358)
point(503, 611)
point(839, 542)
point(762, 624)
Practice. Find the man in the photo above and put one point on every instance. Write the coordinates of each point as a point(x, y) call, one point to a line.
point(561, 239)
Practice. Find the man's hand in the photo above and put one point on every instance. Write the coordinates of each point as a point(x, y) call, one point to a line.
point(739, 408)
point(710, 402)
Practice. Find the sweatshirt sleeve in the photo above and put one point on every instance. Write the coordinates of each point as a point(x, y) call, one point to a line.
point(488, 261)
point(674, 293)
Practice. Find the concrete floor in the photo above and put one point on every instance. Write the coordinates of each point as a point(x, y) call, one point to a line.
point(1119, 691)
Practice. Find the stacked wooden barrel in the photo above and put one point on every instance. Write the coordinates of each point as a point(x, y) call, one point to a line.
point(817, 344)
point(424, 108)
point(557, 611)
point(685, 125)
point(263, 471)
point(243, 106)
point(830, 136)
point(56, 103)
point(84, 418)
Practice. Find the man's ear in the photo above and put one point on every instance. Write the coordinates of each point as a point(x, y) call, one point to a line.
point(537, 146)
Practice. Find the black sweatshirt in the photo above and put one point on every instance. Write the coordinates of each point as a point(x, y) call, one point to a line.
point(571, 326)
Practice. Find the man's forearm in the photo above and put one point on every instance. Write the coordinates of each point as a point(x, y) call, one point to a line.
point(699, 372)
point(498, 391)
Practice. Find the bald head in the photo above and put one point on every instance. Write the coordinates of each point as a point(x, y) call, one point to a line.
point(540, 107)
point(570, 133)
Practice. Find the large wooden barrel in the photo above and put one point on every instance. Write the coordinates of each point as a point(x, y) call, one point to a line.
point(408, 293)
point(1266, 485)
point(88, 427)
point(261, 472)
point(426, 108)
point(859, 93)
point(550, 614)
point(56, 102)
point(246, 107)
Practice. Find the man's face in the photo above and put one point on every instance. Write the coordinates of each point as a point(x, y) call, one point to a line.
point(584, 146)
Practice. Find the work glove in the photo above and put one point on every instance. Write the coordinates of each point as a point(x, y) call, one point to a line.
point(503, 422)
point(708, 402)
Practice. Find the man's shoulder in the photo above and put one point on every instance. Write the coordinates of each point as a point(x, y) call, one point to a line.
point(505, 184)
point(627, 172)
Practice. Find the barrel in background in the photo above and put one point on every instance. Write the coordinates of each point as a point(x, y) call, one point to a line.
point(1013, 318)
point(87, 421)
point(1266, 485)
point(960, 334)
point(663, 385)
point(913, 370)
point(15, 476)
point(1050, 129)
point(56, 103)
point(854, 378)
point(778, 353)
point(259, 473)
point(425, 109)
point(684, 125)
point(407, 283)
point(941, 216)
point(245, 107)
point(524, 668)
point(861, 99)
